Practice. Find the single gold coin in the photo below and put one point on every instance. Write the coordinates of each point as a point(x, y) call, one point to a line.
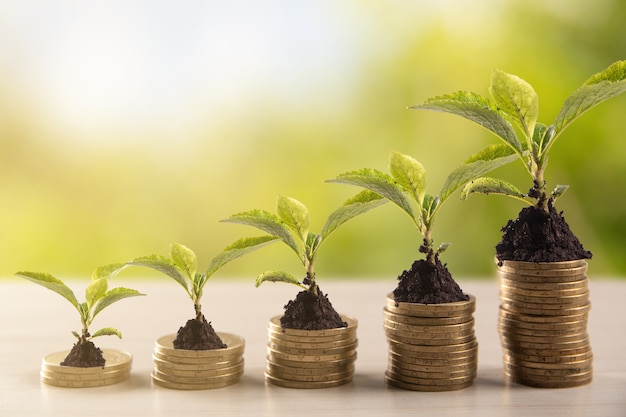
point(328, 377)
point(442, 374)
point(541, 266)
point(416, 356)
point(275, 325)
point(580, 284)
point(311, 344)
point(425, 321)
point(557, 360)
point(280, 360)
point(428, 341)
point(425, 388)
point(450, 328)
point(285, 383)
point(279, 347)
point(181, 360)
point(577, 365)
point(274, 368)
point(311, 358)
point(542, 383)
point(208, 366)
point(554, 340)
point(548, 319)
point(441, 349)
point(455, 309)
point(563, 275)
point(234, 347)
point(414, 360)
point(554, 328)
point(564, 304)
point(191, 386)
point(430, 381)
point(542, 293)
point(568, 300)
point(114, 360)
point(465, 365)
point(549, 352)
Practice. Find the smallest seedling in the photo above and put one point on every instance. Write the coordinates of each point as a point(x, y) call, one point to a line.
point(98, 296)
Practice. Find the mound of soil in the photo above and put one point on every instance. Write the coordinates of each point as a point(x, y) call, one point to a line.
point(198, 335)
point(537, 236)
point(84, 355)
point(428, 284)
point(310, 312)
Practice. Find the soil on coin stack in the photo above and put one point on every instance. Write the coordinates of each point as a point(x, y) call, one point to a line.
point(84, 355)
point(426, 283)
point(198, 335)
point(310, 312)
point(537, 236)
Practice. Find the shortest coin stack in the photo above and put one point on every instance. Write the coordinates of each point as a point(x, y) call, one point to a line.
point(543, 323)
point(116, 369)
point(432, 347)
point(311, 358)
point(197, 369)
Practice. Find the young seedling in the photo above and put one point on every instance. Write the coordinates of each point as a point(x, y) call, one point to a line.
point(98, 296)
point(514, 102)
point(405, 186)
point(291, 226)
point(181, 266)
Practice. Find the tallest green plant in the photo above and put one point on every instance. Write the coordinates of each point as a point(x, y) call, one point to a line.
point(514, 102)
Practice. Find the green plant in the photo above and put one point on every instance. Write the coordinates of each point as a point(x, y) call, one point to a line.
point(291, 226)
point(98, 296)
point(181, 266)
point(405, 186)
point(515, 102)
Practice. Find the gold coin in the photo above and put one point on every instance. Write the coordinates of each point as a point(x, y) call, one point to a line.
point(566, 327)
point(542, 383)
point(275, 325)
point(190, 386)
point(411, 373)
point(408, 356)
point(548, 374)
point(165, 364)
point(455, 309)
point(413, 360)
point(520, 331)
point(312, 345)
point(552, 339)
point(347, 337)
point(570, 344)
point(563, 275)
point(563, 304)
point(425, 388)
point(547, 360)
point(530, 318)
point(542, 293)
point(442, 349)
point(550, 352)
point(425, 321)
point(430, 381)
point(464, 365)
point(235, 347)
point(181, 360)
point(281, 360)
point(279, 347)
point(285, 383)
point(450, 328)
point(540, 266)
point(114, 360)
point(310, 358)
point(61, 376)
point(545, 286)
point(428, 341)
point(91, 383)
point(569, 300)
point(539, 313)
point(196, 380)
point(229, 369)
point(327, 377)
point(277, 368)
point(579, 364)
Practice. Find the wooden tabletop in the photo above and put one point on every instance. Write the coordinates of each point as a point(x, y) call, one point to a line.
point(37, 322)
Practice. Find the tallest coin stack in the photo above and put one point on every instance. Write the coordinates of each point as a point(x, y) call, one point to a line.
point(543, 323)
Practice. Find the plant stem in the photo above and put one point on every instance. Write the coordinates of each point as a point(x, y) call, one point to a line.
point(310, 277)
point(198, 308)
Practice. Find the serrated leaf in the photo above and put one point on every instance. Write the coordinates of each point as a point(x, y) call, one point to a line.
point(277, 276)
point(478, 109)
point(361, 203)
point(409, 173)
point(95, 290)
point(598, 88)
point(107, 331)
point(113, 296)
point(237, 249)
point(51, 283)
point(379, 183)
point(268, 223)
point(481, 163)
point(107, 271)
point(184, 258)
point(517, 98)
point(486, 185)
point(294, 214)
point(166, 266)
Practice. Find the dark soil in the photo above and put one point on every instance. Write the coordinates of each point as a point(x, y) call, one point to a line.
point(537, 236)
point(84, 355)
point(426, 283)
point(198, 335)
point(310, 312)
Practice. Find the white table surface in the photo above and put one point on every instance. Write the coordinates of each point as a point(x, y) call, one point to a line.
point(37, 322)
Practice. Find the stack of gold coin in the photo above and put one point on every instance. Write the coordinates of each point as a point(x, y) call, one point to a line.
point(543, 323)
point(116, 369)
point(197, 369)
point(311, 358)
point(432, 347)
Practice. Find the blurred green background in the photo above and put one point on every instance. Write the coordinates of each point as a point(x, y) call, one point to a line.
point(125, 126)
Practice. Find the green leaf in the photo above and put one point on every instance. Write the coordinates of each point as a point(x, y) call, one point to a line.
point(113, 296)
point(559, 190)
point(481, 163)
point(277, 276)
point(237, 249)
point(313, 241)
point(598, 88)
point(409, 173)
point(486, 185)
point(294, 214)
point(184, 258)
point(479, 110)
point(357, 205)
point(268, 223)
point(107, 271)
point(96, 290)
point(51, 283)
point(166, 266)
point(379, 183)
point(517, 98)
point(107, 331)
point(75, 333)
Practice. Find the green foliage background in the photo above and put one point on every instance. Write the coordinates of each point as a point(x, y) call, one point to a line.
point(70, 202)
